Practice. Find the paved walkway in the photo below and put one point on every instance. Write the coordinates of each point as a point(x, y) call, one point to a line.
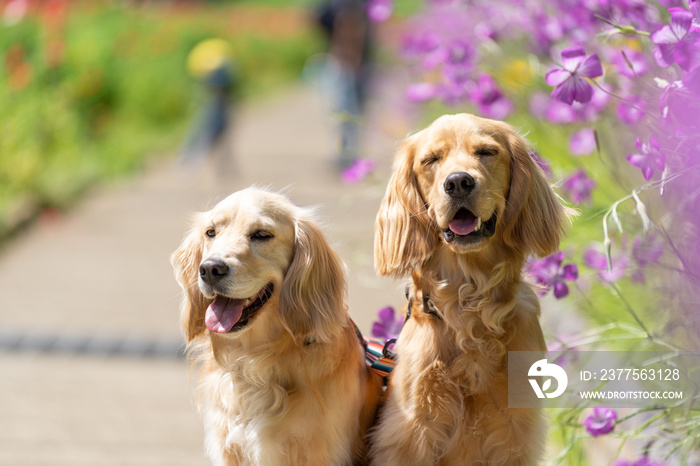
point(100, 277)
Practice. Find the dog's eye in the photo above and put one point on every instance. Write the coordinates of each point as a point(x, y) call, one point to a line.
point(210, 232)
point(486, 151)
point(261, 234)
point(430, 159)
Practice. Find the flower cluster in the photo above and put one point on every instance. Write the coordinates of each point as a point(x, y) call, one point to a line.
point(601, 421)
point(621, 80)
point(550, 273)
point(358, 170)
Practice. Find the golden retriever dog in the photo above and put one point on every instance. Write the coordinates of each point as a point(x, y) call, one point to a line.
point(465, 206)
point(282, 377)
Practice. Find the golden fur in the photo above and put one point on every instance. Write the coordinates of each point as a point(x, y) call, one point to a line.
point(448, 399)
point(290, 387)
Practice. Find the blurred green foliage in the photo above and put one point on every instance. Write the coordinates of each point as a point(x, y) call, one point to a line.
point(89, 91)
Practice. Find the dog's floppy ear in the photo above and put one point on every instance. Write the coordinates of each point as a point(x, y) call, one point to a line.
point(186, 262)
point(402, 237)
point(312, 301)
point(534, 220)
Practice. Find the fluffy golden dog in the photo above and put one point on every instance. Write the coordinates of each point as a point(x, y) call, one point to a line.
point(282, 379)
point(465, 206)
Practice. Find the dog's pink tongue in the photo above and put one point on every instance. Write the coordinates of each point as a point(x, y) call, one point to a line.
point(223, 314)
point(463, 225)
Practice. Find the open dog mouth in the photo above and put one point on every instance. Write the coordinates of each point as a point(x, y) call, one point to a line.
point(465, 227)
point(225, 315)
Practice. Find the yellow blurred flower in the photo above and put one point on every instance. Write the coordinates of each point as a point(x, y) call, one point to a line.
point(517, 74)
point(208, 56)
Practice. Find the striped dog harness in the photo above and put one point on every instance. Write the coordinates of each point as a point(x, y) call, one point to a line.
point(378, 357)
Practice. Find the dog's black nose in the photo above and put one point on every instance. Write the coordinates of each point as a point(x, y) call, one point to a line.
point(459, 184)
point(213, 270)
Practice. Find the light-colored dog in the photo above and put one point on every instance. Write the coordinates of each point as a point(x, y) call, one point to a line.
point(282, 378)
point(465, 206)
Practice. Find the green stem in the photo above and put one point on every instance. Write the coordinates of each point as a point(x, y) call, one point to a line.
point(617, 96)
point(626, 30)
point(630, 310)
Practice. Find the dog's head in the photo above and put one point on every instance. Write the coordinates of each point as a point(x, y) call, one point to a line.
point(256, 260)
point(471, 184)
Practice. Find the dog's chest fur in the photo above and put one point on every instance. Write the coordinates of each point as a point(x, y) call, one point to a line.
point(458, 388)
point(252, 424)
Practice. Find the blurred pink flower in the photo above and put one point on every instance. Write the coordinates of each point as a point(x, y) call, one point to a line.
point(628, 113)
point(599, 261)
point(14, 11)
point(554, 111)
point(578, 187)
point(541, 162)
point(635, 65)
point(420, 92)
point(358, 171)
point(489, 99)
point(379, 11)
point(388, 326)
point(582, 142)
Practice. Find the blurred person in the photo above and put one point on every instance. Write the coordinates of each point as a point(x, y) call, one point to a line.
point(347, 28)
point(211, 63)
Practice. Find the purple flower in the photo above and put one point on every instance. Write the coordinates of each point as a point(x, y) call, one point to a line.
point(677, 43)
point(456, 58)
point(599, 261)
point(460, 52)
point(548, 31)
point(549, 273)
point(602, 421)
point(419, 44)
point(631, 114)
point(489, 99)
point(420, 92)
point(694, 6)
point(582, 142)
point(379, 11)
point(569, 80)
point(648, 157)
point(645, 461)
point(541, 162)
point(578, 187)
point(387, 326)
point(452, 91)
point(359, 169)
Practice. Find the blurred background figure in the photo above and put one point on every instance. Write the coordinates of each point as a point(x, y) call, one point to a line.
point(349, 37)
point(211, 63)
